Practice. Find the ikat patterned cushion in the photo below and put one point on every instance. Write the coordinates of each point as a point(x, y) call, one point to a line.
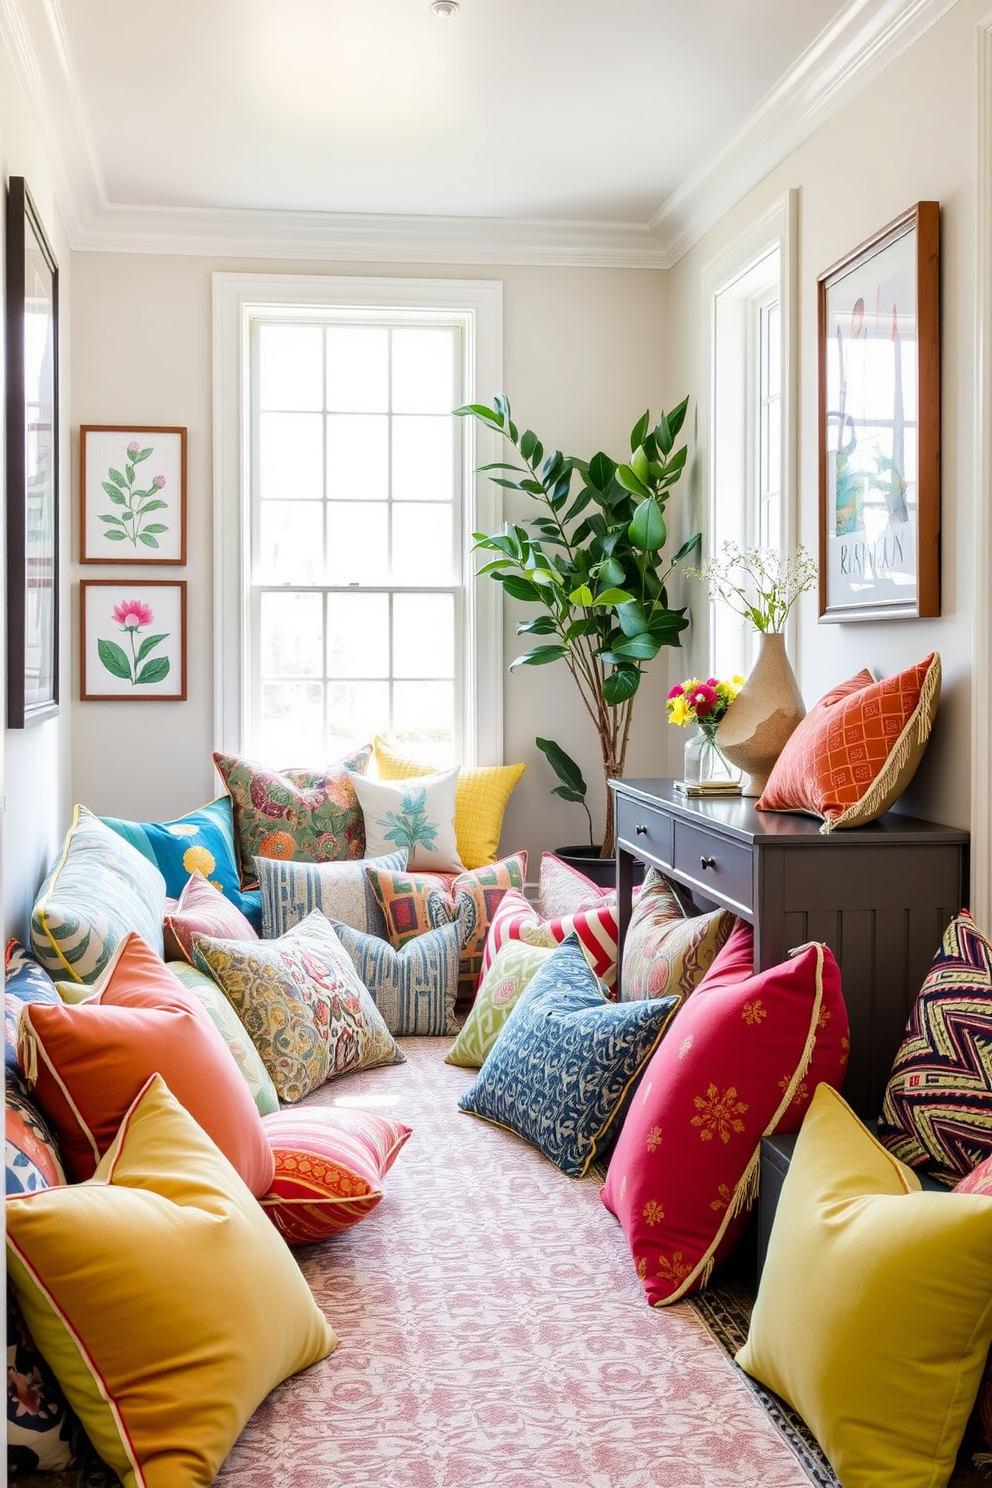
point(937, 1111)
point(417, 814)
point(329, 1169)
point(413, 903)
point(514, 968)
point(233, 1032)
point(415, 987)
point(302, 1003)
point(856, 751)
point(202, 909)
point(666, 950)
point(311, 815)
point(741, 1061)
point(517, 919)
point(25, 980)
point(99, 891)
point(561, 1071)
point(341, 891)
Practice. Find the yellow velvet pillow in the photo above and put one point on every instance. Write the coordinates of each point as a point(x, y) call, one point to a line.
point(874, 1313)
point(164, 1300)
point(480, 800)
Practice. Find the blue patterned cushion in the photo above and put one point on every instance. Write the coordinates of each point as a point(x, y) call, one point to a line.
point(31, 1154)
point(937, 1112)
point(290, 889)
point(100, 889)
point(562, 1071)
point(24, 981)
point(204, 840)
point(415, 987)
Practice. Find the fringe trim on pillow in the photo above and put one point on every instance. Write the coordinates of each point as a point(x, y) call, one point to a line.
point(873, 802)
point(747, 1188)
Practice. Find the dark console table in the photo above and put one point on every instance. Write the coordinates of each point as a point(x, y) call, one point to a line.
point(879, 896)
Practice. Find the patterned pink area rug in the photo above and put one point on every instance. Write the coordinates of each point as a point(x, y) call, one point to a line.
point(493, 1333)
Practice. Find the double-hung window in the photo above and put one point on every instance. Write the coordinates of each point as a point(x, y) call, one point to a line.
point(347, 500)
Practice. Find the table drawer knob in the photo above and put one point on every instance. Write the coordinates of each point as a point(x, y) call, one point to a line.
point(707, 862)
point(640, 829)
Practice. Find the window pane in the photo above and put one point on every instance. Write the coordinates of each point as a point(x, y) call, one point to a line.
point(422, 545)
point(291, 542)
point(773, 477)
point(358, 635)
point(358, 456)
point(292, 725)
point(423, 635)
point(292, 635)
point(290, 456)
point(774, 348)
point(355, 711)
point(290, 367)
point(356, 542)
point(423, 713)
point(423, 371)
point(423, 459)
point(357, 369)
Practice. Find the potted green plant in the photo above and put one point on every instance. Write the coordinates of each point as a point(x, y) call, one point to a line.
point(592, 562)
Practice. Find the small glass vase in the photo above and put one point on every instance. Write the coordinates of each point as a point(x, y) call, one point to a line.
point(705, 765)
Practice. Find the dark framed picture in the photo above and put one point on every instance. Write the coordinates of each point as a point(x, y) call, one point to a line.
point(132, 494)
point(879, 424)
point(132, 639)
point(32, 463)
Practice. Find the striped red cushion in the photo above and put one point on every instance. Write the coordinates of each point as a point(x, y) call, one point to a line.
point(515, 918)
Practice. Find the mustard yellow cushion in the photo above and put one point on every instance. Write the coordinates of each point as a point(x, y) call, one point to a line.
point(166, 1303)
point(874, 1313)
point(480, 800)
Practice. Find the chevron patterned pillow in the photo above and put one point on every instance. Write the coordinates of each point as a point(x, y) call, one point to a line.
point(937, 1113)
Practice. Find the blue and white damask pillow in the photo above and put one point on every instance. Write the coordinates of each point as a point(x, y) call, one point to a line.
point(415, 987)
point(292, 889)
point(563, 1069)
point(418, 814)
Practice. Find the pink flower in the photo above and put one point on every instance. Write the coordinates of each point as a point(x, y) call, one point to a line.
point(703, 699)
point(159, 481)
point(133, 448)
point(677, 690)
point(132, 614)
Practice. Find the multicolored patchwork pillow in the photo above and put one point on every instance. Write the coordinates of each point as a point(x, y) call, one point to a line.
point(561, 1072)
point(741, 1061)
point(32, 1159)
point(341, 891)
point(309, 814)
point(202, 841)
point(415, 987)
point(201, 909)
point(563, 890)
point(233, 1032)
point(937, 1111)
point(666, 950)
point(100, 890)
point(25, 980)
point(517, 919)
point(305, 1009)
point(415, 902)
point(329, 1169)
point(856, 751)
point(481, 796)
point(514, 968)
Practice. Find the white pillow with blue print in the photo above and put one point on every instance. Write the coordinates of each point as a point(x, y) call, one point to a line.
point(418, 814)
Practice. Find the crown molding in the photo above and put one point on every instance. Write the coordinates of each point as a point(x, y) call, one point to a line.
point(865, 38)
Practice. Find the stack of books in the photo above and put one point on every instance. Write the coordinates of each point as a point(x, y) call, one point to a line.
point(707, 788)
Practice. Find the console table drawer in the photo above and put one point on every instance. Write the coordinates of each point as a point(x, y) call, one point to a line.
point(645, 831)
point(722, 869)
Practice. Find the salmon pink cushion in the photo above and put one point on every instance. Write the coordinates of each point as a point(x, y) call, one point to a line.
point(740, 1061)
point(856, 751)
point(202, 910)
point(88, 1061)
point(596, 927)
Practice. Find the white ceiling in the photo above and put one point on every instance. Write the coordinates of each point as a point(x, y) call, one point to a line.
point(549, 130)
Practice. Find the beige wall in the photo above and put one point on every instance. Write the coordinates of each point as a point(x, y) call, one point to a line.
point(910, 136)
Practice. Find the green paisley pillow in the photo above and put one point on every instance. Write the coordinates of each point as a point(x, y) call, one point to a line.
point(301, 1001)
point(513, 967)
point(99, 890)
point(311, 815)
point(232, 1031)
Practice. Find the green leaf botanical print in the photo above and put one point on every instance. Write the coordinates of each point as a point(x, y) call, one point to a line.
point(121, 490)
point(409, 827)
point(131, 615)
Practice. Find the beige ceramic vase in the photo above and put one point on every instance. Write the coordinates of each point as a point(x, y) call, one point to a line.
point(754, 729)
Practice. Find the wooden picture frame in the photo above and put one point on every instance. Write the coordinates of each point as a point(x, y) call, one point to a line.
point(879, 424)
point(132, 494)
point(32, 463)
point(132, 639)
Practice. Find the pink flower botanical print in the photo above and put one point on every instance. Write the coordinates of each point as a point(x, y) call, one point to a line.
point(132, 615)
point(135, 504)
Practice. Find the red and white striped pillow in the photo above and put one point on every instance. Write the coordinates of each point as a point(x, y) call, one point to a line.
point(515, 918)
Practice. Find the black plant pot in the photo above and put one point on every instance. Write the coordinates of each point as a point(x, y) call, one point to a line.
point(602, 871)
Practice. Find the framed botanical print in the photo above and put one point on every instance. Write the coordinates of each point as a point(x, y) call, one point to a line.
point(132, 640)
point(132, 501)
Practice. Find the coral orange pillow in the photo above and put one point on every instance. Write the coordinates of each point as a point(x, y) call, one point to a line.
point(740, 1061)
point(856, 751)
point(88, 1062)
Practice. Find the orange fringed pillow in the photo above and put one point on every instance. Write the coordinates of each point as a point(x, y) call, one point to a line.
point(856, 751)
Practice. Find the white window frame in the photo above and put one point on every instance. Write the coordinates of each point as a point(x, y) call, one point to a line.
point(477, 304)
point(729, 506)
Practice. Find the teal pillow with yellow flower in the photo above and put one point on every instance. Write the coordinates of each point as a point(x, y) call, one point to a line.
point(201, 841)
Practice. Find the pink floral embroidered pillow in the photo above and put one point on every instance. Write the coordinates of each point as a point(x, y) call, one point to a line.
point(666, 950)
